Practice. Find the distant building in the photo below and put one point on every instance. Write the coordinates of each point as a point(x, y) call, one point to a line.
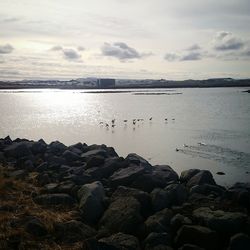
point(105, 83)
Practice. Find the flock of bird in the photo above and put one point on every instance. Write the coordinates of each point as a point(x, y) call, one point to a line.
point(134, 121)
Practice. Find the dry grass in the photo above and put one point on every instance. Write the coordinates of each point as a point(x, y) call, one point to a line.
point(16, 198)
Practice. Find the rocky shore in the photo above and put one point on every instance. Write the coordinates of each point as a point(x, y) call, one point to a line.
point(87, 197)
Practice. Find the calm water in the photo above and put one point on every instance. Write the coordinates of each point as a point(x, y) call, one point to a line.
point(211, 127)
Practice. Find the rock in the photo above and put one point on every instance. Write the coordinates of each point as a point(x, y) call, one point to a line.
point(220, 173)
point(142, 197)
point(240, 194)
point(2, 157)
point(157, 241)
point(28, 164)
point(207, 189)
point(197, 235)
point(95, 161)
point(121, 241)
point(93, 153)
point(190, 247)
point(36, 227)
point(138, 160)
point(18, 174)
point(42, 167)
point(17, 150)
point(107, 169)
point(70, 156)
point(186, 175)
point(56, 148)
point(126, 176)
point(91, 198)
point(159, 222)
point(179, 220)
point(73, 231)
point(157, 176)
point(51, 188)
point(220, 221)
point(39, 147)
point(43, 179)
point(123, 215)
point(54, 199)
point(79, 179)
point(174, 194)
point(202, 177)
point(239, 242)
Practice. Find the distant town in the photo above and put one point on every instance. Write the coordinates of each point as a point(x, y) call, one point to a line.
point(110, 83)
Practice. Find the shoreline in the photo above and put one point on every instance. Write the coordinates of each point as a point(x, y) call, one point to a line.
point(87, 196)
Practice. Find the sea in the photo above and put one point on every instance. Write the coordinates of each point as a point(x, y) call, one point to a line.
point(205, 128)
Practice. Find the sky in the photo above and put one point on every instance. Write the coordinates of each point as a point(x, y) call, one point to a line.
point(131, 39)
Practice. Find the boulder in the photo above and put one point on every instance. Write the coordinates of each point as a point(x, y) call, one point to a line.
point(239, 242)
point(42, 167)
point(202, 177)
point(138, 160)
point(56, 148)
point(73, 231)
point(197, 235)
point(70, 156)
point(95, 161)
point(123, 215)
point(207, 189)
point(36, 227)
point(240, 194)
point(39, 147)
point(91, 198)
point(54, 200)
point(179, 220)
point(17, 150)
point(93, 153)
point(220, 221)
point(186, 175)
point(159, 222)
point(142, 197)
point(121, 241)
point(18, 174)
point(126, 176)
point(161, 241)
point(190, 247)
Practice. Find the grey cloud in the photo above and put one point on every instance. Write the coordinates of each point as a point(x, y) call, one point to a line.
point(80, 48)
point(171, 57)
point(194, 47)
point(56, 48)
point(71, 54)
point(6, 49)
point(192, 56)
point(121, 51)
point(10, 20)
point(227, 41)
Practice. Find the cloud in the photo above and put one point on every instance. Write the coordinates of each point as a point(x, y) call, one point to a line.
point(121, 51)
point(194, 47)
point(80, 48)
point(56, 48)
point(71, 54)
point(6, 49)
point(171, 57)
point(192, 56)
point(224, 41)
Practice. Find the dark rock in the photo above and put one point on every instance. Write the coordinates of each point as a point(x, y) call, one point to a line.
point(197, 235)
point(56, 148)
point(93, 153)
point(123, 215)
point(79, 179)
point(138, 160)
point(42, 167)
point(70, 156)
point(18, 174)
point(157, 241)
point(51, 188)
point(43, 179)
point(17, 150)
point(220, 173)
point(36, 227)
point(186, 175)
point(2, 157)
point(54, 200)
point(239, 242)
point(203, 177)
point(73, 231)
point(179, 220)
point(160, 199)
point(121, 241)
point(28, 164)
point(208, 189)
point(95, 161)
point(190, 247)
point(159, 222)
point(220, 221)
point(91, 198)
point(38, 147)
point(139, 195)
point(126, 176)
point(240, 194)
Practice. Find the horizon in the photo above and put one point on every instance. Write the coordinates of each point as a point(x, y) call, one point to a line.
point(124, 40)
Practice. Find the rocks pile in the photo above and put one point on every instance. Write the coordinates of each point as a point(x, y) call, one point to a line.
point(126, 203)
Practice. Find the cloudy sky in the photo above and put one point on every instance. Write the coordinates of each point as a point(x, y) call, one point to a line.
point(168, 39)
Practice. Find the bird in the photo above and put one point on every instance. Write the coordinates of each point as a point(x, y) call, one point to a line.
point(176, 149)
point(125, 120)
point(113, 125)
point(113, 121)
point(150, 118)
point(134, 122)
point(185, 145)
point(107, 125)
point(100, 122)
point(173, 119)
point(166, 119)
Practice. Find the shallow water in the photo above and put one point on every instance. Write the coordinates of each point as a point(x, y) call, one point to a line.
point(209, 127)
